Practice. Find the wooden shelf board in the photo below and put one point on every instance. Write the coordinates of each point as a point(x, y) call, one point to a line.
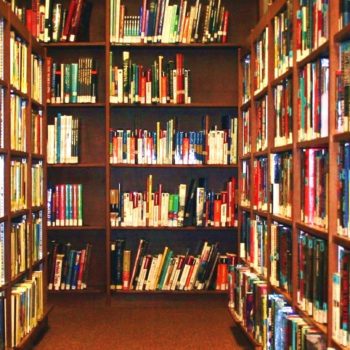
point(177, 45)
point(37, 104)
point(343, 34)
point(282, 219)
point(4, 9)
point(168, 292)
point(314, 230)
point(239, 323)
point(21, 154)
point(342, 137)
point(244, 207)
point(317, 143)
point(3, 83)
point(246, 104)
point(29, 340)
point(18, 92)
point(321, 51)
point(263, 153)
point(285, 294)
point(38, 208)
point(171, 105)
point(280, 149)
point(342, 241)
point(3, 150)
point(3, 218)
point(17, 213)
point(19, 276)
point(339, 346)
point(261, 213)
point(252, 269)
point(166, 166)
point(37, 47)
point(75, 105)
point(76, 44)
point(260, 93)
point(77, 165)
point(287, 74)
point(246, 156)
point(37, 156)
point(322, 328)
point(75, 228)
point(170, 228)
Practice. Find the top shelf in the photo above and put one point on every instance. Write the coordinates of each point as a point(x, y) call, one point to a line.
point(342, 34)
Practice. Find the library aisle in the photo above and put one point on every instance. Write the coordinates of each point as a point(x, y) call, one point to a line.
point(142, 322)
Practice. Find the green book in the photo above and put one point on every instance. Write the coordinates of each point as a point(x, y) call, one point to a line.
point(80, 205)
point(74, 83)
point(67, 83)
point(165, 269)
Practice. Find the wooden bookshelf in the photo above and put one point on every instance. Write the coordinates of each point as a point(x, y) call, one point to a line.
point(327, 49)
point(213, 92)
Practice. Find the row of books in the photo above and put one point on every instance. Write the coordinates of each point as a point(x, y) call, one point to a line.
point(281, 173)
point(281, 256)
point(246, 78)
point(162, 83)
point(37, 236)
point(266, 316)
point(159, 22)
point(2, 185)
point(37, 132)
point(18, 63)
point(204, 269)
point(261, 187)
point(65, 205)
point(261, 117)
point(37, 78)
point(341, 298)
point(18, 115)
point(2, 255)
point(343, 88)
point(193, 205)
point(313, 100)
point(245, 183)
point(312, 26)
point(20, 245)
point(253, 247)
point(63, 140)
point(2, 49)
point(246, 137)
point(314, 187)
point(2, 116)
point(283, 44)
point(37, 184)
point(261, 61)
point(343, 220)
point(283, 108)
point(67, 23)
point(27, 305)
point(68, 267)
point(168, 146)
point(18, 186)
point(72, 82)
point(312, 274)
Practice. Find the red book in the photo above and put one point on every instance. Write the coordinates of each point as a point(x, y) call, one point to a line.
point(180, 78)
point(29, 19)
point(72, 7)
point(48, 79)
point(217, 210)
point(225, 28)
point(74, 28)
point(81, 268)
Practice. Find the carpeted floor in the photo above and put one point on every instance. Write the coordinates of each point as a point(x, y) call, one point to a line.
point(141, 322)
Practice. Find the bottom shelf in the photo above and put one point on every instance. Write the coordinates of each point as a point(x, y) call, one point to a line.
point(32, 338)
point(177, 292)
point(239, 323)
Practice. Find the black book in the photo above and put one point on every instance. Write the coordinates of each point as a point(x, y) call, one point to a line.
point(83, 30)
point(119, 250)
point(190, 204)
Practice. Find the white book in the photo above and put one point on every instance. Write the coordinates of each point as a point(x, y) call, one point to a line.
point(151, 272)
point(153, 285)
point(165, 209)
point(194, 274)
point(120, 86)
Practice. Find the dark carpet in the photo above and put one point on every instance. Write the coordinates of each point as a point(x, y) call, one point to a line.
point(141, 322)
